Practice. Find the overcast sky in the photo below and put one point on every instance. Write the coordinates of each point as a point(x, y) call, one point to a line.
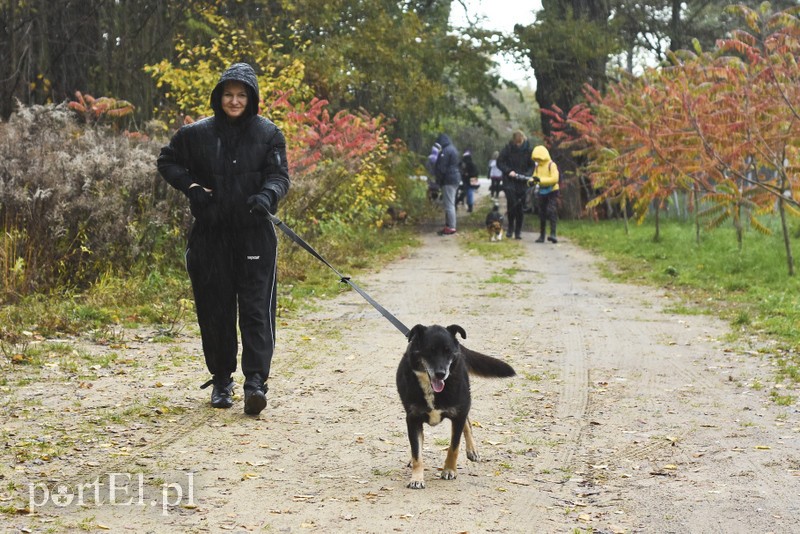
point(500, 15)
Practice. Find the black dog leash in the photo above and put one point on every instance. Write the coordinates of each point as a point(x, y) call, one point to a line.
point(345, 279)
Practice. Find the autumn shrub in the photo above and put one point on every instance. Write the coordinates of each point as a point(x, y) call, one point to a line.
point(345, 175)
point(76, 202)
point(338, 164)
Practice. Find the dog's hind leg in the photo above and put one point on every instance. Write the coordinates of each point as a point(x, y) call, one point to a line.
point(469, 440)
point(450, 468)
point(415, 439)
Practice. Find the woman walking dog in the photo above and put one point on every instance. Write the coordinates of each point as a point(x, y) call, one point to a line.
point(232, 167)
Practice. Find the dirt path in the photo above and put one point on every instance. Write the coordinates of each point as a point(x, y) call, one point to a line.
point(624, 418)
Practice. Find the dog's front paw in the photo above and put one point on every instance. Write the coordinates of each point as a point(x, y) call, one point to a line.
point(473, 456)
point(416, 484)
point(448, 474)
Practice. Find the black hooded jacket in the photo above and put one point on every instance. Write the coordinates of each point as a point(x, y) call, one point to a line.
point(234, 159)
point(518, 159)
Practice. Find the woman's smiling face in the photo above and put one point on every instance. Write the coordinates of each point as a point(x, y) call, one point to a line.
point(234, 99)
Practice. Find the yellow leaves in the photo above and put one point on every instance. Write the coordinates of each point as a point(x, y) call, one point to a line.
point(192, 77)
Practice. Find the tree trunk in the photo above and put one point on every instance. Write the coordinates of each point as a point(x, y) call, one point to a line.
point(787, 242)
point(657, 237)
point(737, 223)
point(625, 214)
point(696, 214)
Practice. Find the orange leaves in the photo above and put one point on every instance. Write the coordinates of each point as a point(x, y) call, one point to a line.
point(345, 136)
point(723, 122)
point(96, 109)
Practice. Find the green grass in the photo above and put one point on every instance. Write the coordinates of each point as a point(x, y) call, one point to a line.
point(750, 288)
point(161, 296)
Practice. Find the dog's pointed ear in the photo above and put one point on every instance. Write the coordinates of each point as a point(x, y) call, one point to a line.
point(416, 331)
point(455, 329)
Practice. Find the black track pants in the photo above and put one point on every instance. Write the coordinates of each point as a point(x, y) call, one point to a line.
point(235, 271)
point(515, 202)
point(548, 211)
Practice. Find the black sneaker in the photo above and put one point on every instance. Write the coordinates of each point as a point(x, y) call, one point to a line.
point(255, 400)
point(552, 239)
point(255, 395)
point(222, 392)
point(541, 239)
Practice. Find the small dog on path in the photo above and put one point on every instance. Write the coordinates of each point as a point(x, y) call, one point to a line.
point(494, 224)
point(433, 383)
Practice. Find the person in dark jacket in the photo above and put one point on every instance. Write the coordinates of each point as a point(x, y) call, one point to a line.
point(516, 164)
point(448, 176)
point(469, 178)
point(232, 167)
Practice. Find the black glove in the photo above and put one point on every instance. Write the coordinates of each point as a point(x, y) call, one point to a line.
point(199, 199)
point(532, 181)
point(262, 203)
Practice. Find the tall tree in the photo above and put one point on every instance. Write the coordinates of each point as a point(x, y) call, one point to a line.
point(568, 46)
point(51, 48)
point(650, 29)
point(398, 59)
point(724, 122)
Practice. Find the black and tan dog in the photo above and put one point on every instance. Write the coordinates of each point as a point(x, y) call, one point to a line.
point(433, 383)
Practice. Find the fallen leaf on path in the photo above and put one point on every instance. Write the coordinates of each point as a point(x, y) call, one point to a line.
point(519, 482)
point(763, 447)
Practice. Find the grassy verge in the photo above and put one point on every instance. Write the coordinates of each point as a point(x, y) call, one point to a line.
point(160, 295)
point(749, 288)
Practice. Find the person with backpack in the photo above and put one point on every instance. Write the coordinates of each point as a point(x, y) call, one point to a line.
point(434, 188)
point(515, 162)
point(495, 176)
point(448, 175)
point(546, 174)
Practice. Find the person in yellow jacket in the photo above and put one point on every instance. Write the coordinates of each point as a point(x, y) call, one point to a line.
point(546, 174)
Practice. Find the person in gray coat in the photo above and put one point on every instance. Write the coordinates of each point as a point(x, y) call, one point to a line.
point(448, 176)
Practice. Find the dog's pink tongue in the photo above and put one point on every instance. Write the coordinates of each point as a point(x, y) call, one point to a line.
point(437, 385)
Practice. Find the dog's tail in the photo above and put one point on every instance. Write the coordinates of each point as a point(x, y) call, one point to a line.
point(486, 366)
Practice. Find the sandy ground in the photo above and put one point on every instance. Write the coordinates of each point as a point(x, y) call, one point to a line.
point(624, 417)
